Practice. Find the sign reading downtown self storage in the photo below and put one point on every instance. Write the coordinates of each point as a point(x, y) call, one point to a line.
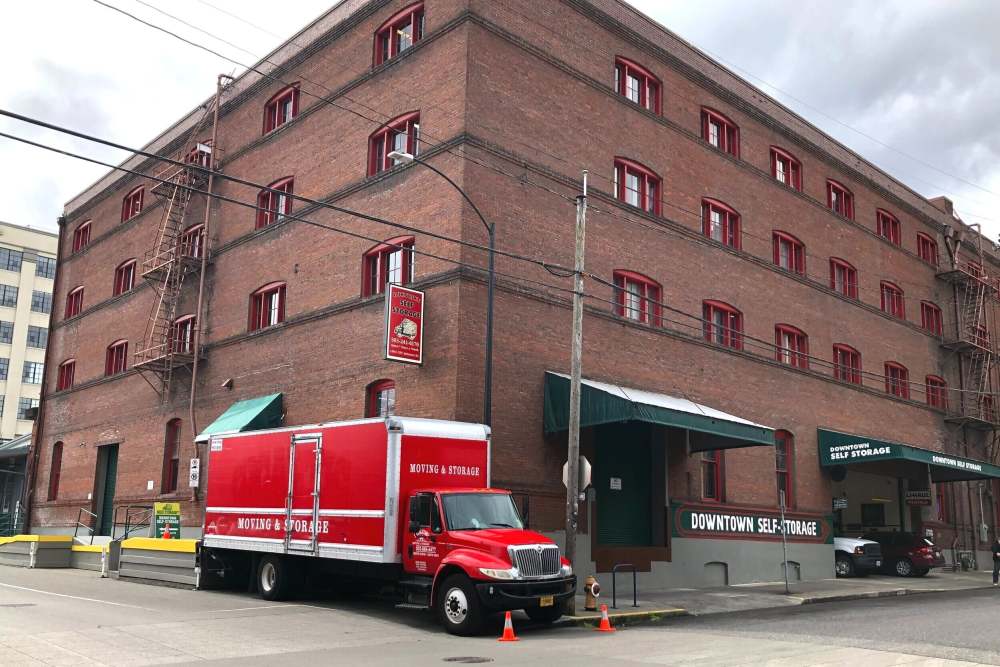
point(404, 324)
point(728, 522)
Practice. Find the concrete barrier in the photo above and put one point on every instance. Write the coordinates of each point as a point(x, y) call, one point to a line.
point(155, 559)
point(90, 557)
point(46, 551)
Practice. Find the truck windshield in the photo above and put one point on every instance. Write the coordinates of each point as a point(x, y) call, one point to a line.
point(476, 511)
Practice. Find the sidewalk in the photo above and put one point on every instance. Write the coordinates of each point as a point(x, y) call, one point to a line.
point(656, 605)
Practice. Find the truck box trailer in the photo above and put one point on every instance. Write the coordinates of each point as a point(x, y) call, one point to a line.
point(399, 500)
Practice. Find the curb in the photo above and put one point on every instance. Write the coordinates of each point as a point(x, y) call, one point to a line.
point(623, 618)
point(898, 592)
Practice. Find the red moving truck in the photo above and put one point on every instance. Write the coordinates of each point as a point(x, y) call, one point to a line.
point(398, 500)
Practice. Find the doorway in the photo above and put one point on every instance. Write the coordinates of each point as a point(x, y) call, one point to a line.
point(104, 489)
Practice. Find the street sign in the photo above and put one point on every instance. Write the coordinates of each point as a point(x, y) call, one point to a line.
point(584, 470)
point(839, 504)
point(167, 518)
point(194, 474)
point(404, 324)
point(918, 498)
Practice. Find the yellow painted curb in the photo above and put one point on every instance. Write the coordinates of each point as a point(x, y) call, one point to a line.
point(36, 538)
point(90, 548)
point(158, 544)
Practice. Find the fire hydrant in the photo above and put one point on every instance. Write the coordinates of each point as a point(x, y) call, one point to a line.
point(593, 589)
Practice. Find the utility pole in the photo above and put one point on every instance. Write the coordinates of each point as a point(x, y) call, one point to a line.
point(576, 361)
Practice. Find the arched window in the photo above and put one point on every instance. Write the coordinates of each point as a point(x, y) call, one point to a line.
point(67, 371)
point(55, 471)
point(840, 199)
point(74, 302)
point(637, 297)
point(389, 262)
point(784, 458)
point(267, 306)
point(380, 398)
point(281, 108)
point(720, 132)
point(171, 456)
point(931, 318)
point(897, 379)
point(401, 134)
point(846, 363)
point(789, 252)
point(786, 168)
point(892, 300)
point(637, 185)
point(843, 277)
point(721, 223)
point(927, 249)
point(81, 236)
point(132, 203)
point(182, 334)
point(722, 324)
point(887, 226)
point(401, 31)
point(193, 241)
point(791, 346)
point(124, 277)
point(116, 358)
point(274, 202)
point(937, 392)
point(637, 84)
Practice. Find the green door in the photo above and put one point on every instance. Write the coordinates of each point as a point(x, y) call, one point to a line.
point(622, 474)
point(108, 473)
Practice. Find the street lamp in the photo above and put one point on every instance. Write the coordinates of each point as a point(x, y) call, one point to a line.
point(401, 157)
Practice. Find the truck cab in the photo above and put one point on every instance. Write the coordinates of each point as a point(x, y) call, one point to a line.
point(466, 554)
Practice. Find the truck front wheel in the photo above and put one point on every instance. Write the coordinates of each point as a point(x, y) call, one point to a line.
point(458, 606)
point(275, 578)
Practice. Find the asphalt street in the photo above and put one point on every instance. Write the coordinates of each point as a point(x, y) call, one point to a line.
point(71, 617)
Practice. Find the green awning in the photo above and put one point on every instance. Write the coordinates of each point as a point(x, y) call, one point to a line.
point(838, 449)
point(16, 447)
point(602, 403)
point(253, 414)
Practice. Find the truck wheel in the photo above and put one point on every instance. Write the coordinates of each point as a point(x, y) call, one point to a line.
point(844, 566)
point(546, 615)
point(904, 568)
point(275, 578)
point(458, 606)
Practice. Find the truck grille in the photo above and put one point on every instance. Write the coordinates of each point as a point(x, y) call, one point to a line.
point(536, 560)
point(873, 549)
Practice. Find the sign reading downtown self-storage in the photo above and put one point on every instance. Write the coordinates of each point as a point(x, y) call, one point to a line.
point(404, 324)
point(750, 524)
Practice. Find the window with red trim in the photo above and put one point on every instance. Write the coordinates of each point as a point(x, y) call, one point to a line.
point(982, 336)
point(887, 226)
point(193, 241)
point(927, 249)
point(124, 278)
point(274, 202)
point(637, 297)
point(116, 358)
point(281, 108)
point(931, 318)
point(267, 307)
point(200, 154)
point(720, 132)
point(182, 334)
point(784, 456)
point(132, 203)
point(389, 262)
point(637, 185)
point(711, 475)
point(892, 300)
point(943, 505)
point(400, 32)
point(401, 134)
point(721, 223)
point(380, 398)
point(840, 199)
point(846, 364)
point(171, 456)
point(843, 277)
point(786, 168)
point(722, 324)
point(897, 379)
point(55, 471)
point(67, 370)
point(637, 84)
point(986, 409)
point(791, 345)
point(975, 269)
point(81, 236)
point(789, 253)
point(74, 302)
point(937, 392)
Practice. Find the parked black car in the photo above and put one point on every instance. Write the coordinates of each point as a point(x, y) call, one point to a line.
point(907, 554)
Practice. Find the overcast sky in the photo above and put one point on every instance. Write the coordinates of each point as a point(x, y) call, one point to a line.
point(917, 77)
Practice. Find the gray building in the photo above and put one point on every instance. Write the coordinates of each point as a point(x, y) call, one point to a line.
point(13, 462)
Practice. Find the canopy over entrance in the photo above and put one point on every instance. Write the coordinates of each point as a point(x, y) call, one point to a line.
point(16, 447)
point(253, 414)
point(602, 403)
point(838, 449)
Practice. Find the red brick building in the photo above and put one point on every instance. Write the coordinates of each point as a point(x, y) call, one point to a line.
point(739, 259)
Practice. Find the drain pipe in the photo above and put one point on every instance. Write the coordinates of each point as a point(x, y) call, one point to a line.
point(199, 314)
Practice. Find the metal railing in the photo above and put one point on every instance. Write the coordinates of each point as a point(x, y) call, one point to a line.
point(137, 517)
point(79, 524)
point(614, 587)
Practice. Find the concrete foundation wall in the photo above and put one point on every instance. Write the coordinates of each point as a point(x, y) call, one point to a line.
point(35, 553)
point(156, 565)
point(87, 560)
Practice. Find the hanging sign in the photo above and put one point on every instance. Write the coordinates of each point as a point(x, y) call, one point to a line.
point(918, 498)
point(167, 520)
point(404, 324)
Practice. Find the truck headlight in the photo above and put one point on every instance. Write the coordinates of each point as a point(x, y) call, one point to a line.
point(506, 575)
point(566, 570)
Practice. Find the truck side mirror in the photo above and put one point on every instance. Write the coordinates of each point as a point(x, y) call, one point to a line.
point(414, 526)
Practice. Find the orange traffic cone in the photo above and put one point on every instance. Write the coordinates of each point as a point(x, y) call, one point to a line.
point(605, 625)
point(508, 630)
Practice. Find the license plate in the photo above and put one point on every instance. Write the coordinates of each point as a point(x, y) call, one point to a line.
point(546, 601)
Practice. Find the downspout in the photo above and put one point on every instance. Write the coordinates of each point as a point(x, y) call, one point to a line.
point(199, 308)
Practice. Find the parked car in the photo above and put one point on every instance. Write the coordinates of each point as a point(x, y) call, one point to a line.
point(907, 554)
point(856, 556)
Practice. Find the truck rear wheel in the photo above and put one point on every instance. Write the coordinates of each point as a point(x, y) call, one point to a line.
point(458, 606)
point(275, 578)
